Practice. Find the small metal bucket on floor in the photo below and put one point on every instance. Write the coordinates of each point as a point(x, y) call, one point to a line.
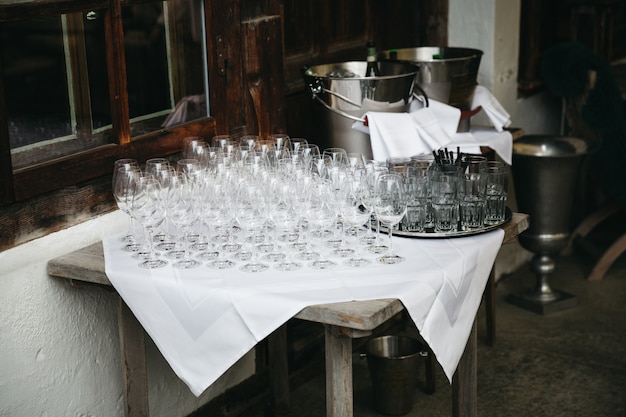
point(393, 366)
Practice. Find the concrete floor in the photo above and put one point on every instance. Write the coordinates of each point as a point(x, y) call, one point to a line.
point(569, 363)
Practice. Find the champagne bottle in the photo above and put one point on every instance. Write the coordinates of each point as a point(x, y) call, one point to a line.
point(372, 65)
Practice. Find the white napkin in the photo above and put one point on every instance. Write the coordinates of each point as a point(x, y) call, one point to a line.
point(492, 107)
point(394, 135)
point(406, 134)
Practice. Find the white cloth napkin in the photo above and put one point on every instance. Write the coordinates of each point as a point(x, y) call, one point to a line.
point(492, 107)
point(426, 129)
point(203, 321)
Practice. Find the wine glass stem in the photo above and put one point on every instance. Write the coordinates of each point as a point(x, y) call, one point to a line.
point(148, 232)
point(390, 239)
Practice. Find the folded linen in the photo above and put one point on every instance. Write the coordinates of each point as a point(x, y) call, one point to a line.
point(426, 129)
point(492, 108)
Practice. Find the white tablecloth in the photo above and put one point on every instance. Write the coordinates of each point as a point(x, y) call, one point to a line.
point(203, 321)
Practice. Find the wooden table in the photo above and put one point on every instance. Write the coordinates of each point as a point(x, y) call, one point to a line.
point(343, 322)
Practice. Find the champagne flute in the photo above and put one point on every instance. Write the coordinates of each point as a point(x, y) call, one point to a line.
point(390, 208)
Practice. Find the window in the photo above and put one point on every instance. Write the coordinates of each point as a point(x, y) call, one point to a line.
point(83, 83)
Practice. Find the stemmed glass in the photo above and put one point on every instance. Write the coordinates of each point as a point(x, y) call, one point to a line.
point(217, 212)
point(355, 215)
point(338, 156)
point(297, 144)
point(309, 152)
point(321, 215)
point(285, 215)
point(390, 208)
point(122, 191)
point(373, 171)
point(182, 209)
point(147, 207)
point(251, 214)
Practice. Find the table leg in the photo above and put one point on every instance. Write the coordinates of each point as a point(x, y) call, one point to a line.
point(490, 307)
point(279, 372)
point(339, 395)
point(464, 388)
point(132, 347)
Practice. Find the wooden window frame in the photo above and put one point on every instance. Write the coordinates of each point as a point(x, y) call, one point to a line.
point(25, 183)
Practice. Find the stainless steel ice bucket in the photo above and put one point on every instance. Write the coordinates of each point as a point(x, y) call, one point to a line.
point(446, 74)
point(342, 95)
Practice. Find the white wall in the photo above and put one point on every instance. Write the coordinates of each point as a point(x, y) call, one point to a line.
point(59, 345)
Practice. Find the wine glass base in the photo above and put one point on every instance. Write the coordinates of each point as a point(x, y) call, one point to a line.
point(323, 264)
point(377, 249)
point(288, 266)
point(200, 246)
point(343, 252)
point(209, 256)
point(307, 256)
point(165, 246)
point(254, 267)
point(275, 257)
point(132, 247)
point(221, 264)
point(231, 247)
point(357, 262)
point(390, 259)
point(368, 239)
point(243, 256)
point(175, 254)
point(153, 263)
point(298, 246)
point(186, 264)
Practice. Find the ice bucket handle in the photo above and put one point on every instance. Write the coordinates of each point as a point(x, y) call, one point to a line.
point(316, 87)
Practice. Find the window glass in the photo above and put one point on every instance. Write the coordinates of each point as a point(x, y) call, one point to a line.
point(35, 81)
point(164, 46)
point(55, 76)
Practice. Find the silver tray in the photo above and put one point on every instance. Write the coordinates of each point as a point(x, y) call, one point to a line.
point(431, 234)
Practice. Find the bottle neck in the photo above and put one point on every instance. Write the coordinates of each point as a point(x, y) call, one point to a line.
point(371, 54)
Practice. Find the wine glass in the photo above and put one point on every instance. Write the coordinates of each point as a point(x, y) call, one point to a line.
point(309, 152)
point(182, 209)
point(249, 142)
point(281, 141)
point(373, 170)
point(338, 156)
point(147, 207)
point(121, 166)
point(321, 215)
point(297, 144)
point(251, 214)
point(355, 215)
point(390, 208)
point(217, 213)
point(285, 215)
point(122, 191)
point(190, 144)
